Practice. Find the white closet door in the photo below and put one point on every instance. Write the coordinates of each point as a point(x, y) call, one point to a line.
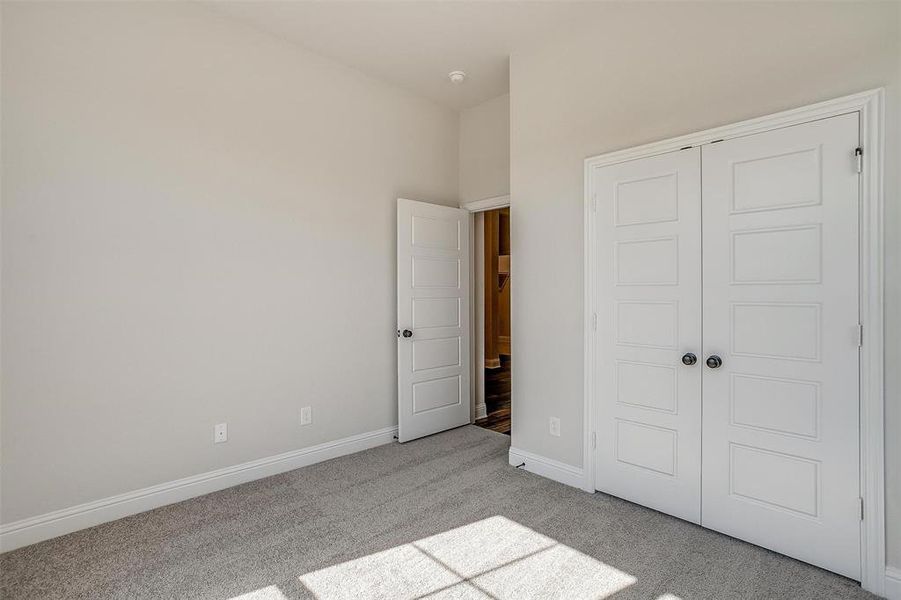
point(649, 314)
point(780, 418)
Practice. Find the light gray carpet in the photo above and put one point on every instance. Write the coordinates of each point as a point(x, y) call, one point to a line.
point(441, 517)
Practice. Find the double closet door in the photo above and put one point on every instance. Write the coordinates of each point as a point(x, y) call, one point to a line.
point(728, 337)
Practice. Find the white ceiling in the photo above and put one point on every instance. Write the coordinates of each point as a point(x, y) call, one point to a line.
point(415, 44)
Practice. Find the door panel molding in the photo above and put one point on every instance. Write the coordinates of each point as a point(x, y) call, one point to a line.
point(794, 495)
point(870, 106)
point(649, 312)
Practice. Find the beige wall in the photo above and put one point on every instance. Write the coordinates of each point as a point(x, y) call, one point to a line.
point(484, 173)
point(197, 227)
point(648, 72)
point(485, 150)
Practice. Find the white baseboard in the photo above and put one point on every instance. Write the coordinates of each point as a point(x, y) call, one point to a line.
point(481, 411)
point(43, 527)
point(893, 583)
point(546, 467)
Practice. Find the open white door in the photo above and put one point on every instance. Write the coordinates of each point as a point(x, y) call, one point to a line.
point(432, 318)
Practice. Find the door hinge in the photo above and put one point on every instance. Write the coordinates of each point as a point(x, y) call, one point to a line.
point(860, 335)
point(594, 440)
point(594, 202)
point(858, 153)
point(594, 321)
point(861, 508)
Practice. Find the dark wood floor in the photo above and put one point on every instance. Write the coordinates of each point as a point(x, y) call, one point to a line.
point(497, 398)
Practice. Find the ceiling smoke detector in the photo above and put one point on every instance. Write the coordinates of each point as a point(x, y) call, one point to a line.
point(456, 76)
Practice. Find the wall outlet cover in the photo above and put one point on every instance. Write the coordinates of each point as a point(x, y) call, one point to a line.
point(306, 415)
point(220, 433)
point(554, 426)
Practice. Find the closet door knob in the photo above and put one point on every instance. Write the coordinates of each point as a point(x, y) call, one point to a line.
point(408, 333)
point(689, 359)
point(714, 361)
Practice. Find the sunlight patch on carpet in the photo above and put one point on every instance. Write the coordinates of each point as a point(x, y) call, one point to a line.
point(270, 592)
point(494, 558)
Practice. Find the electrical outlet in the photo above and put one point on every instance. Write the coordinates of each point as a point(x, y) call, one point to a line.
point(220, 433)
point(306, 415)
point(554, 426)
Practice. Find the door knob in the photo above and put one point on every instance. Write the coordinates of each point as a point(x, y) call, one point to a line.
point(407, 333)
point(689, 359)
point(714, 361)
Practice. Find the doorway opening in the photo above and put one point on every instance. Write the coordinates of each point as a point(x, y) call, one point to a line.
point(492, 278)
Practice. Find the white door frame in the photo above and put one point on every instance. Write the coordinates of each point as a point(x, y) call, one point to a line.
point(872, 444)
point(477, 302)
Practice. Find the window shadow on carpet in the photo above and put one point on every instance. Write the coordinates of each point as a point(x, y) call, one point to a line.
point(495, 558)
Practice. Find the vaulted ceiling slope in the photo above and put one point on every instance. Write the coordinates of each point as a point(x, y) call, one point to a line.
point(415, 44)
